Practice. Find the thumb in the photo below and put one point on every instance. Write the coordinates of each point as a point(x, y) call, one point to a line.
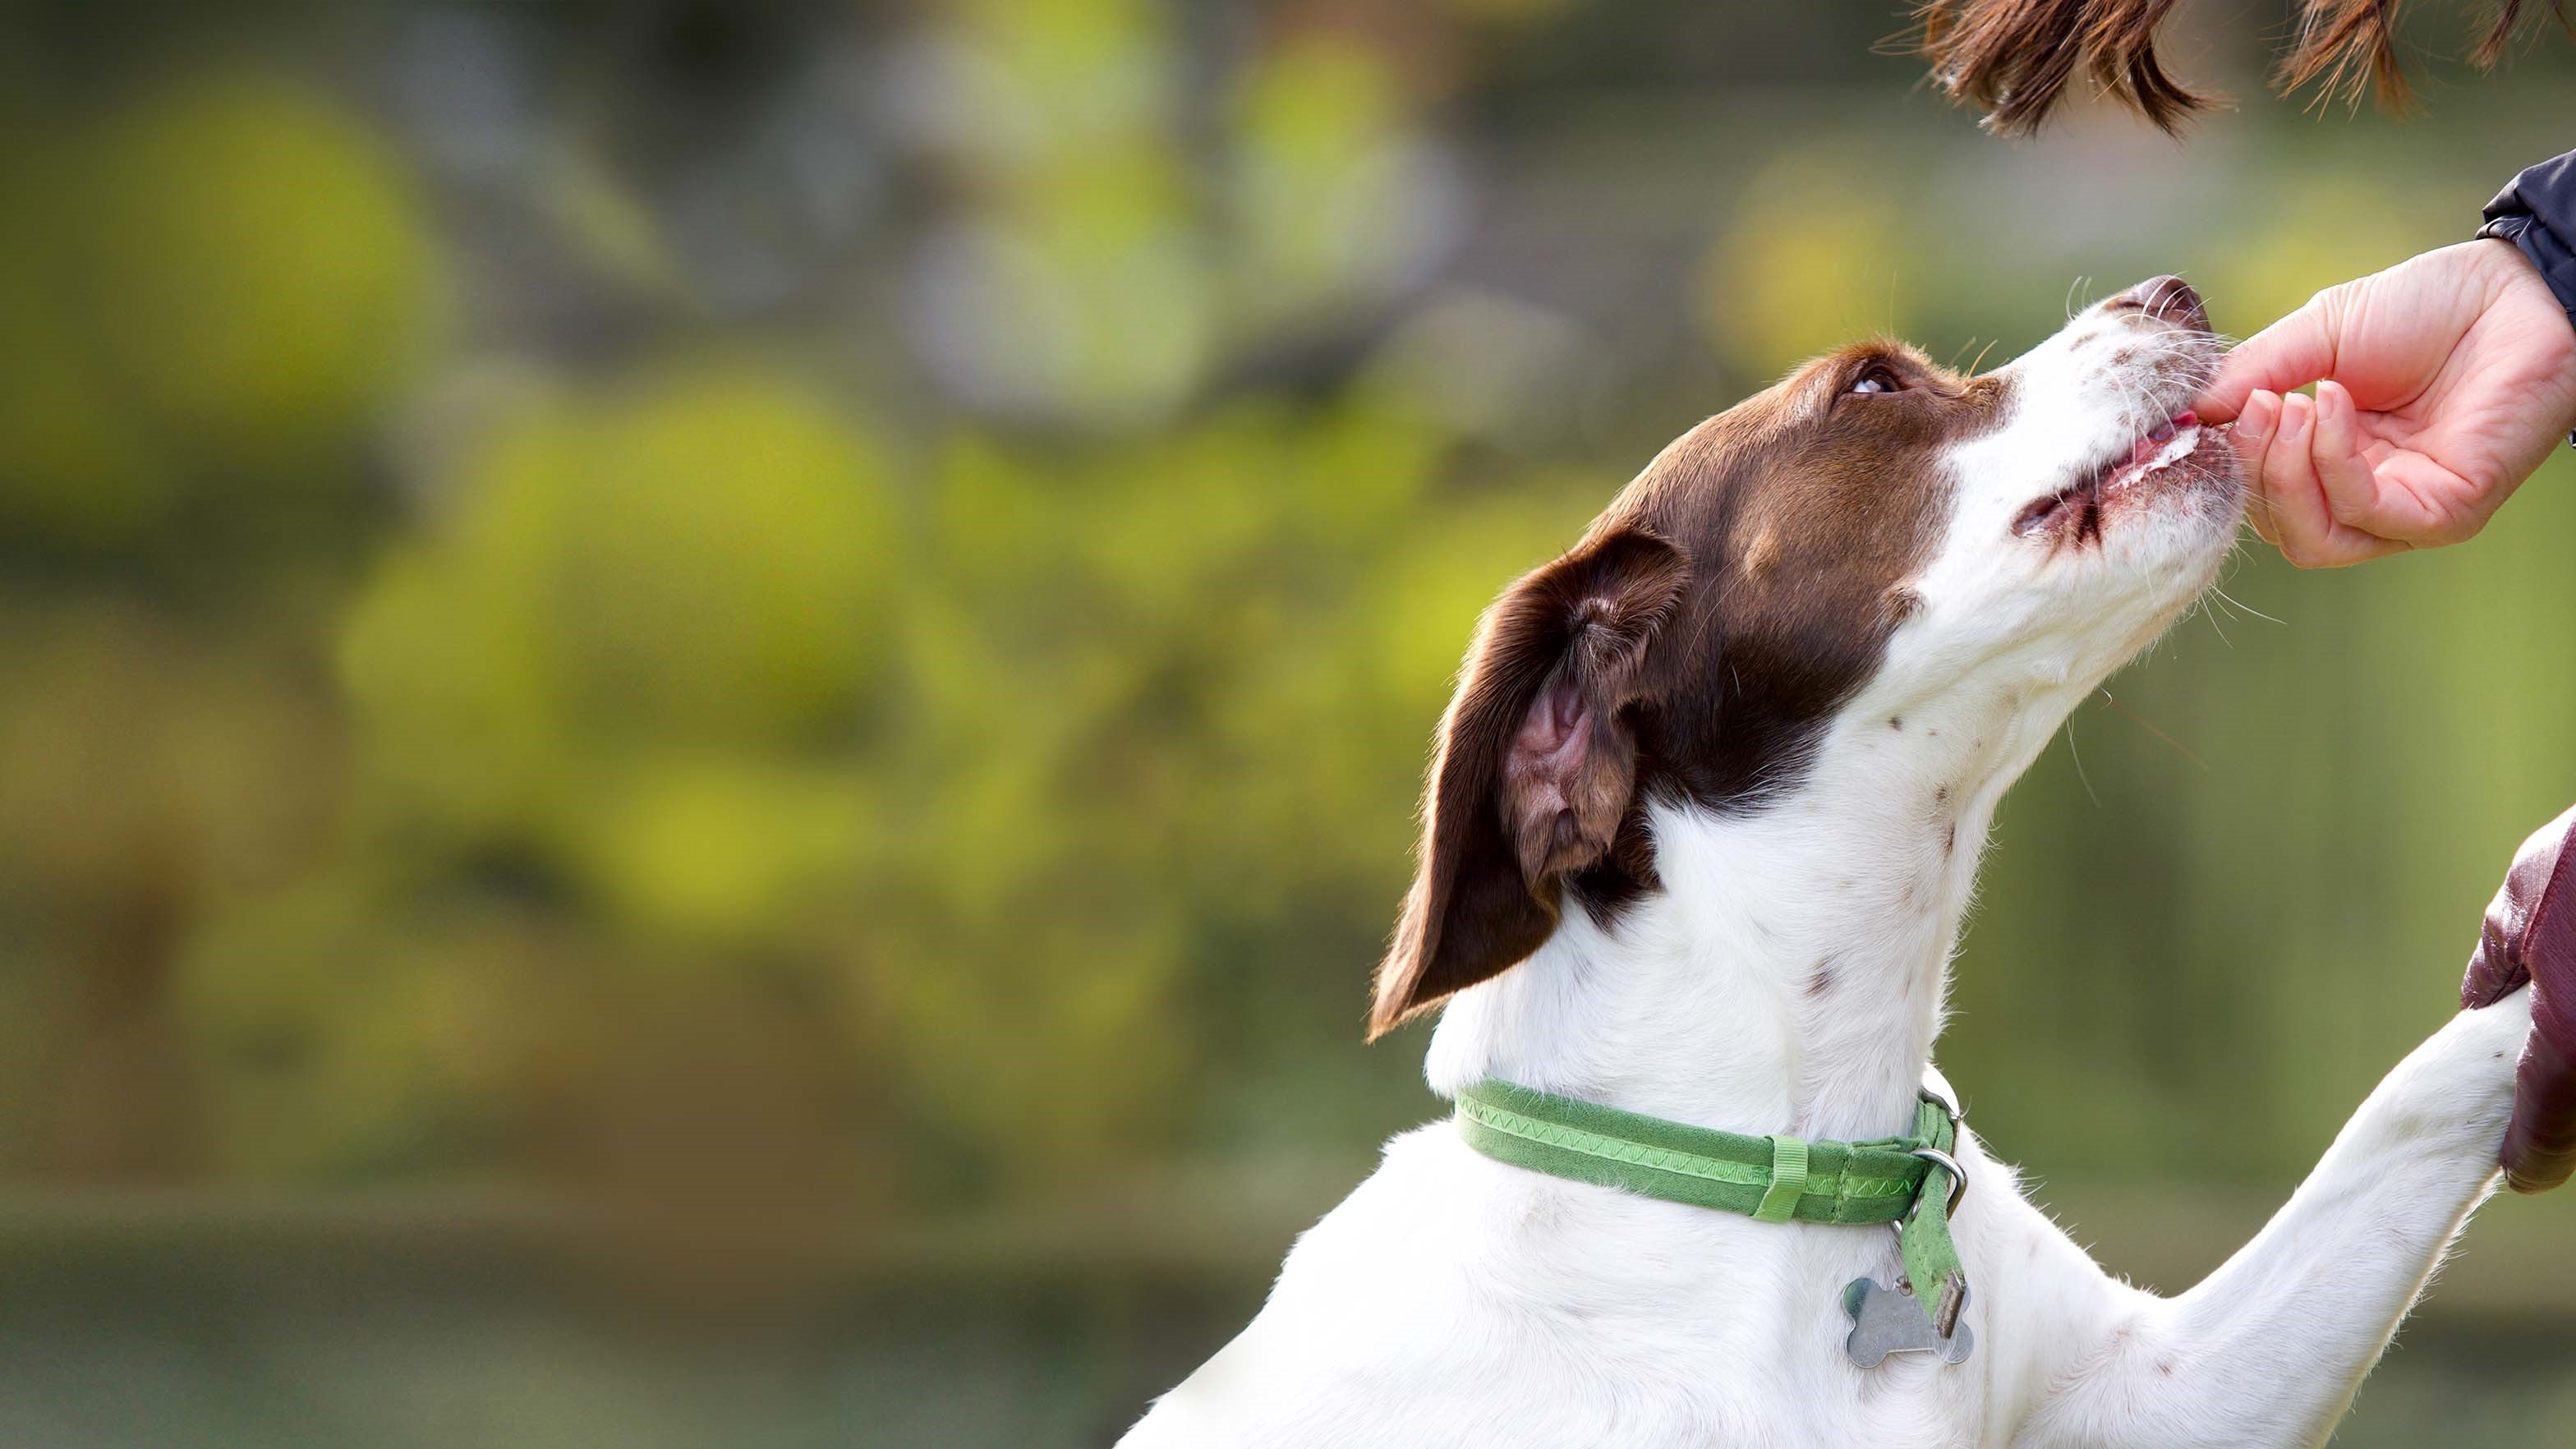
point(2291, 353)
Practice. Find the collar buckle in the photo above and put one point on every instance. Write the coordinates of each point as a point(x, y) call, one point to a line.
point(1958, 1182)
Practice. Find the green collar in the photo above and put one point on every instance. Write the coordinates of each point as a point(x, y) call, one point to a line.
point(1771, 1179)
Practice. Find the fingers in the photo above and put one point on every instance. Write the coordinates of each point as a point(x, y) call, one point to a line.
point(2386, 491)
point(2287, 483)
point(2289, 497)
point(2381, 460)
point(2254, 428)
point(2276, 431)
point(2291, 353)
point(2351, 489)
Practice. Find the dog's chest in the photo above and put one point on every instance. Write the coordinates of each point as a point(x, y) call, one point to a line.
point(1455, 1301)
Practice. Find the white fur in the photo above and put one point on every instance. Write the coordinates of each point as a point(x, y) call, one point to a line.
point(1789, 978)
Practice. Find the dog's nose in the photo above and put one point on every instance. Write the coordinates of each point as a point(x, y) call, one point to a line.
point(2167, 299)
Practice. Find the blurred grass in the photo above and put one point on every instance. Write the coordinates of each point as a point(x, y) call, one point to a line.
point(654, 652)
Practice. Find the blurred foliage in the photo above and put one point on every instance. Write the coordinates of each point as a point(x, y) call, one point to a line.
point(746, 619)
point(848, 606)
point(227, 277)
point(1805, 265)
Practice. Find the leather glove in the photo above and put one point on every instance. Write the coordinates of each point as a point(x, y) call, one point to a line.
point(2530, 935)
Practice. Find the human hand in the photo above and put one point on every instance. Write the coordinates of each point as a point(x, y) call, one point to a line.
point(2530, 936)
point(2442, 383)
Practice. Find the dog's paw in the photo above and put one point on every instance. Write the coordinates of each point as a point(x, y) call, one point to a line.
point(2530, 936)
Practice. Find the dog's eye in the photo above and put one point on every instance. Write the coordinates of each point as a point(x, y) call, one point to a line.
point(1877, 379)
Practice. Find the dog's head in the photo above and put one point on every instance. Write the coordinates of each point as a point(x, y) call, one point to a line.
point(1873, 525)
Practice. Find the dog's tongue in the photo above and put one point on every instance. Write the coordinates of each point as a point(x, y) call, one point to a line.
point(2530, 935)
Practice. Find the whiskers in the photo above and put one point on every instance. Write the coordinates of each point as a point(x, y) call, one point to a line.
point(2242, 608)
point(2215, 597)
point(2077, 756)
point(2255, 499)
point(2179, 747)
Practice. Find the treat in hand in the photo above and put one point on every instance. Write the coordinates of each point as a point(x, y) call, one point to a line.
point(2530, 935)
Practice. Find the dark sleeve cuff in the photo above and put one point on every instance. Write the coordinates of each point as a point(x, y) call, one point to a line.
point(2537, 213)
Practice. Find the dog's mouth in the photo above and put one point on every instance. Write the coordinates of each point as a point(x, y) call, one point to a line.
point(2079, 506)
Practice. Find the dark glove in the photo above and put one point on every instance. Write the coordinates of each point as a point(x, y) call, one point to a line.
point(2530, 935)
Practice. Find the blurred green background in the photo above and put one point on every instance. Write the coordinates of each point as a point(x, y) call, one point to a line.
point(708, 712)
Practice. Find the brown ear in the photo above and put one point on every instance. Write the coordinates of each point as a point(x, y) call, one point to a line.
point(1537, 766)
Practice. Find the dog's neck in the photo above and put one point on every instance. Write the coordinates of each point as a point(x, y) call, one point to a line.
point(1788, 976)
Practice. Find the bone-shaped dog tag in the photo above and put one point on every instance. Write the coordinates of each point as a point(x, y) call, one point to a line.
point(1887, 1320)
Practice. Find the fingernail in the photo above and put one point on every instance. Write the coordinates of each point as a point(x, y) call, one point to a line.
point(2255, 422)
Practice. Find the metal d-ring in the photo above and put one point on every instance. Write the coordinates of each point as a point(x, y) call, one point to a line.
point(1950, 1165)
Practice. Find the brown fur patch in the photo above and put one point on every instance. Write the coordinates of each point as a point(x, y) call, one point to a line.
point(1690, 647)
point(1850, 493)
point(2015, 58)
point(1536, 772)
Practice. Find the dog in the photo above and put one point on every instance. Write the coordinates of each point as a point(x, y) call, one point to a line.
point(1704, 815)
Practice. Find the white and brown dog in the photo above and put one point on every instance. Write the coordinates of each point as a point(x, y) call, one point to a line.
point(1705, 815)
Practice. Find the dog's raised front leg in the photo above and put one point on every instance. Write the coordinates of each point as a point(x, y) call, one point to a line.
point(2268, 1350)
